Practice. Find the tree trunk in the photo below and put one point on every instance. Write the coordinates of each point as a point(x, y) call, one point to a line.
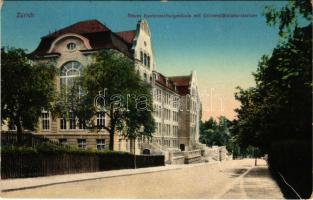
point(112, 129)
point(111, 145)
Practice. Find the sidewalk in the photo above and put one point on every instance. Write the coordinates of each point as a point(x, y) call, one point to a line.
point(27, 183)
point(256, 183)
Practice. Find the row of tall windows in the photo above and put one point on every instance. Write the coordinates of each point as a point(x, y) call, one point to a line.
point(69, 74)
point(193, 118)
point(167, 130)
point(170, 143)
point(45, 117)
point(175, 131)
point(157, 111)
point(158, 95)
point(158, 128)
point(72, 122)
point(168, 98)
point(82, 144)
point(145, 59)
point(175, 116)
point(166, 114)
point(193, 105)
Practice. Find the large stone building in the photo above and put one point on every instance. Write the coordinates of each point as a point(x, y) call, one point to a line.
point(176, 99)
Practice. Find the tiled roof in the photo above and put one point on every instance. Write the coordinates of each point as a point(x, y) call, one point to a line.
point(88, 26)
point(128, 36)
point(181, 80)
point(161, 79)
point(183, 90)
point(99, 36)
point(181, 83)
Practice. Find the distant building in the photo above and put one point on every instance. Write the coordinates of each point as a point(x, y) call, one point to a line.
point(73, 47)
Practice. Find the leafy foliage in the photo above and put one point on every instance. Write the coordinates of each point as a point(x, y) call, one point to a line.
point(215, 133)
point(26, 89)
point(289, 16)
point(127, 100)
point(280, 105)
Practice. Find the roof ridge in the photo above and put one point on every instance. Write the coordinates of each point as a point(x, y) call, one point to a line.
point(77, 24)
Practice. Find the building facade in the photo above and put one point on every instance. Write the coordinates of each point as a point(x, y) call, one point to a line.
point(175, 99)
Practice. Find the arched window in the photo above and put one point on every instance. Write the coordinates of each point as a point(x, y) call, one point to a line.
point(70, 71)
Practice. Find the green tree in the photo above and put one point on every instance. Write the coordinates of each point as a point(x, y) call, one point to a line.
point(26, 89)
point(215, 133)
point(72, 102)
point(279, 107)
point(127, 99)
point(289, 17)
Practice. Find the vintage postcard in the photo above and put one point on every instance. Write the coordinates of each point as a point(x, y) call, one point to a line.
point(156, 99)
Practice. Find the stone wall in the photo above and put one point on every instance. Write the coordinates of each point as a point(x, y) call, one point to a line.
point(215, 153)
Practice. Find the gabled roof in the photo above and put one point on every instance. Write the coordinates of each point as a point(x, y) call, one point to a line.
point(161, 79)
point(128, 36)
point(88, 26)
point(181, 80)
point(99, 36)
point(182, 84)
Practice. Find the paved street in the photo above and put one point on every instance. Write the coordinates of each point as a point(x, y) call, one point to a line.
point(229, 179)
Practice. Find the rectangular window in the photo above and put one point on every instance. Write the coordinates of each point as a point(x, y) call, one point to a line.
point(72, 121)
point(148, 61)
point(159, 95)
point(100, 144)
point(127, 145)
point(160, 128)
point(100, 120)
point(63, 141)
point(63, 123)
point(145, 59)
point(169, 130)
point(45, 120)
point(119, 144)
point(81, 124)
point(81, 143)
point(160, 112)
point(156, 128)
point(141, 57)
point(169, 115)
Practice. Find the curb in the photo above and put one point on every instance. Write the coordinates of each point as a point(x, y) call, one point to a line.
point(231, 185)
point(81, 180)
point(131, 173)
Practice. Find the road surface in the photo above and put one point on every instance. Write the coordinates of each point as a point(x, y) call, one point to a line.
point(228, 179)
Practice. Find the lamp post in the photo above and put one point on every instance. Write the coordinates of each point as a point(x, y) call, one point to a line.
point(134, 144)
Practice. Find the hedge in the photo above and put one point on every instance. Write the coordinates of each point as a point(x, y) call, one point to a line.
point(48, 160)
point(293, 159)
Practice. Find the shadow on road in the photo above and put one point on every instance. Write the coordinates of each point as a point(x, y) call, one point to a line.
point(237, 172)
point(258, 172)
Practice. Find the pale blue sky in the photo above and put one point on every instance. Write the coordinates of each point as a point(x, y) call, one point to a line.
point(223, 51)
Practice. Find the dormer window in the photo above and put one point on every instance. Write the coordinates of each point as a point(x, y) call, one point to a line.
point(71, 46)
